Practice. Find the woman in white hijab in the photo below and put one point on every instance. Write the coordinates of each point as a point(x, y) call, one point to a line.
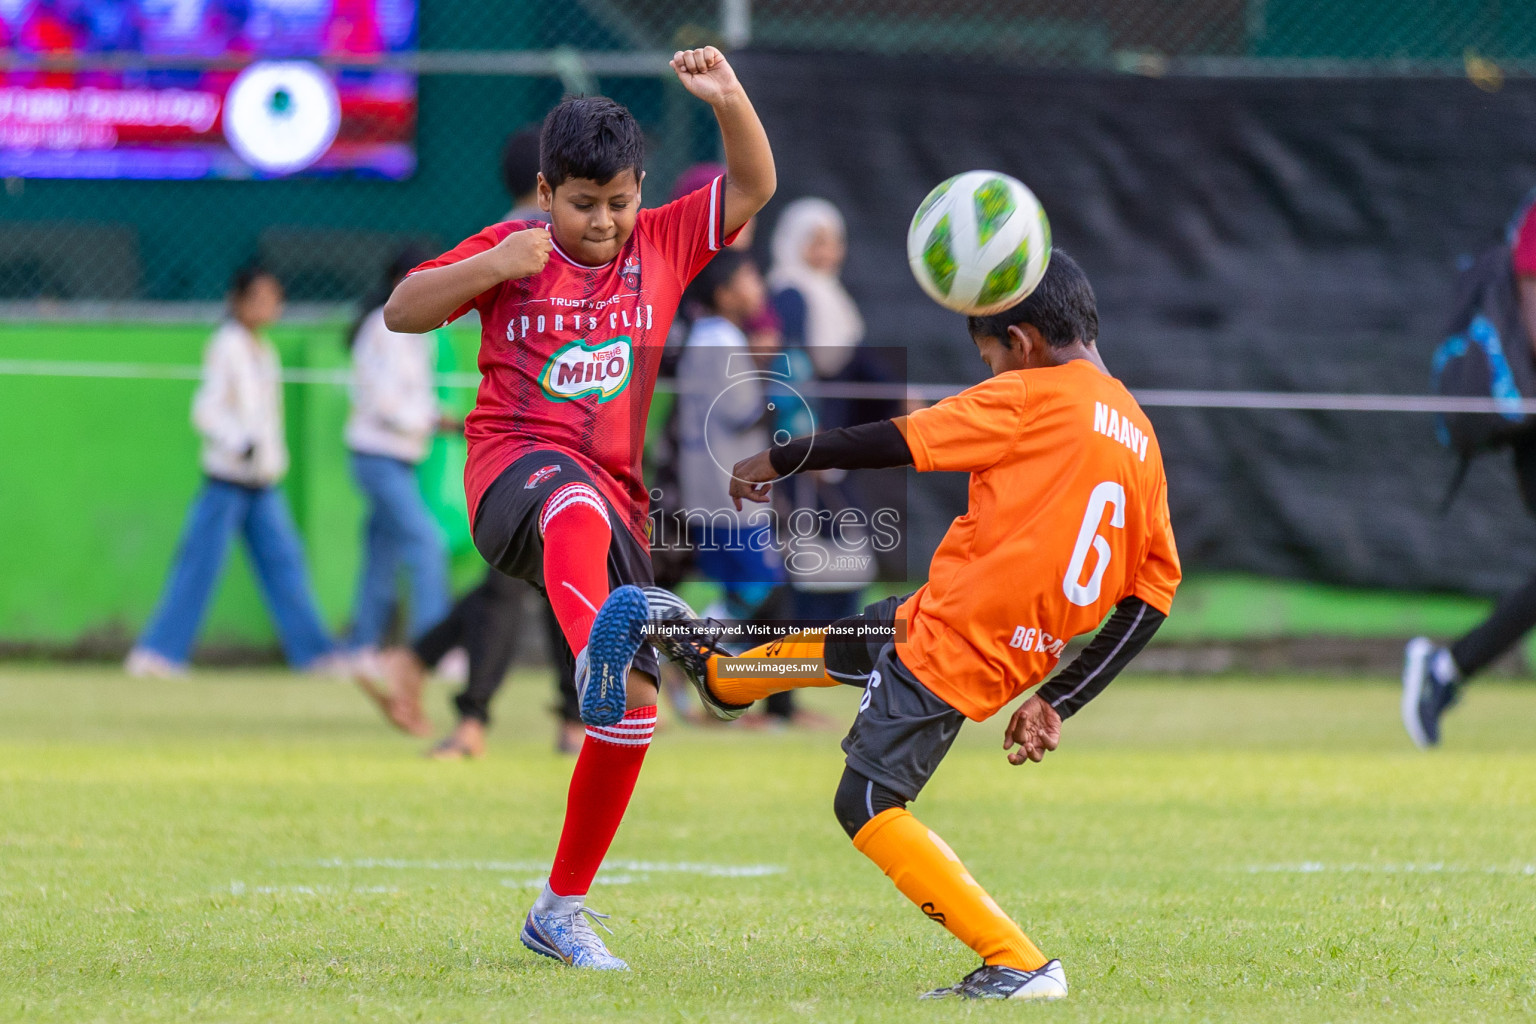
point(809, 244)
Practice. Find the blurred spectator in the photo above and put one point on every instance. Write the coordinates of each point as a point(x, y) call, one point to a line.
point(818, 314)
point(238, 410)
point(1433, 676)
point(520, 175)
point(822, 324)
point(394, 415)
point(723, 418)
point(486, 624)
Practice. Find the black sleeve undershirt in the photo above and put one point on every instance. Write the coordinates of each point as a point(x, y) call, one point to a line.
point(877, 445)
point(1121, 639)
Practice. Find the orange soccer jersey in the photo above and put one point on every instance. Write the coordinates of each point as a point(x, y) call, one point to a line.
point(1067, 516)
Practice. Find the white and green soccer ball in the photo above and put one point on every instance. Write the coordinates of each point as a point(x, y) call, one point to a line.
point(979, 243)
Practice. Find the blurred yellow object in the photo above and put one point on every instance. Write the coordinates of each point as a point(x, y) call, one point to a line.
point(1482, 72)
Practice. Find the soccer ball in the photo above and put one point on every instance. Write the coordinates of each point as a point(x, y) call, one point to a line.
point(979, 243)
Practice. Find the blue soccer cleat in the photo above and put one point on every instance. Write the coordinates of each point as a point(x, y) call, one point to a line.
point(616, 635)
point(563, 933)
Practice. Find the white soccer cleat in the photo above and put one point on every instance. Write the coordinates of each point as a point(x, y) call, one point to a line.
point(993, 981)
point(558, 927)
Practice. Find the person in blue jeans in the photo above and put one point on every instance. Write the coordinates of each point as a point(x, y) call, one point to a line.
point(238, 410)
point(394, 415)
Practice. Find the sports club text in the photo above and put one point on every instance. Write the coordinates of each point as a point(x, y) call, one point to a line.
point(578, 322)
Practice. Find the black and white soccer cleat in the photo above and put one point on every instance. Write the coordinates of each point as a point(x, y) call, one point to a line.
point(686, 641)
point(1425, 698)
point(994, 981)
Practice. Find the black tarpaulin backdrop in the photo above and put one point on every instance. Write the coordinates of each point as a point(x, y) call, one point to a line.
point(1272, 234)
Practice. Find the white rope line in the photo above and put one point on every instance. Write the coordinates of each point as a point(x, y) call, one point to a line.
point(523, 63)
point(1288, 401)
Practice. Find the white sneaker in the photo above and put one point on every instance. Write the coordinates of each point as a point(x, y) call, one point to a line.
point(993, 981)
point(558, 927)
point(143, 663)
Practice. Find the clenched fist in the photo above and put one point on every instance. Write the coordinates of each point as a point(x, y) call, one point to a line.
point(524, 253)
point(706, 73)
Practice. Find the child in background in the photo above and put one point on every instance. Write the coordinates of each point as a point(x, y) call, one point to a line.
point(238, 410)
point(723, 416)
point(394, 415)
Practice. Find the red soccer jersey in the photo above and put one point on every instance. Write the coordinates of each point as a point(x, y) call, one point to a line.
point(569, 356)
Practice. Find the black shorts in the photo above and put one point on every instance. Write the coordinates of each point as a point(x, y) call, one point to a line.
point(506, 529)
point(902, 731)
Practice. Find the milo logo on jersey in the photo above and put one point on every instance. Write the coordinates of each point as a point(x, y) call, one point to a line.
point(579, 370)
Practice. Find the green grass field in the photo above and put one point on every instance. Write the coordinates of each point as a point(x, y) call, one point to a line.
point(248, 847)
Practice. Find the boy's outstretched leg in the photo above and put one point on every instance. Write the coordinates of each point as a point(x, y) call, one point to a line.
point(729, 684)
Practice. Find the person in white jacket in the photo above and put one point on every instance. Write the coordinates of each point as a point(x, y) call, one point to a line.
point(394, 415)
point(238, 410)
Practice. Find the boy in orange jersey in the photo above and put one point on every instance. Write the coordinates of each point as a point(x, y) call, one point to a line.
point(1067, 523)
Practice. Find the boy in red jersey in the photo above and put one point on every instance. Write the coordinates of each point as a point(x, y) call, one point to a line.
point(574, 317)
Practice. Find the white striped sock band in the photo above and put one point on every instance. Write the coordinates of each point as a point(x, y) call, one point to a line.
point(570, 496)
point(627, 731)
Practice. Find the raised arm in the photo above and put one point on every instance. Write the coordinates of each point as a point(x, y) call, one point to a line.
point(426, 299)
point(750, 177)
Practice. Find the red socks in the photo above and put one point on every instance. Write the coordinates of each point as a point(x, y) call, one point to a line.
point(601, 786)
point(574, 525)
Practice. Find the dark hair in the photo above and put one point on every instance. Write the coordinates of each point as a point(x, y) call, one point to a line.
point(405, 259)
point(246, 276)
point(717, 273)
point(590, 137)
point(520, 162)
point(1061, 308)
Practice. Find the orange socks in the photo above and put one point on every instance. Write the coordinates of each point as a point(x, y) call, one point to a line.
point(738, 689)
point(929, 874)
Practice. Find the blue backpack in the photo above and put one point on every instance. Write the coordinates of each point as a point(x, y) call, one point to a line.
point(1486, 354)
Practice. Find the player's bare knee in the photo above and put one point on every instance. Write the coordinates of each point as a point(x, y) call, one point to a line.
point(640, 691)
point(858, 799)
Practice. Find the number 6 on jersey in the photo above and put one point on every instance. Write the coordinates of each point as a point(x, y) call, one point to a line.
point(1084, 594)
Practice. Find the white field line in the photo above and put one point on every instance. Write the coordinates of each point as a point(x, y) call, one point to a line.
point(523, 867)
point(241, 889)
point(1314, 867)
point(603, 877)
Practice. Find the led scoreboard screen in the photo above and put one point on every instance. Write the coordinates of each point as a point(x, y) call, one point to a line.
point(206, 88)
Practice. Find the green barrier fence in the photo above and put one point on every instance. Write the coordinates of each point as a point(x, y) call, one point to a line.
point(98, 473)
